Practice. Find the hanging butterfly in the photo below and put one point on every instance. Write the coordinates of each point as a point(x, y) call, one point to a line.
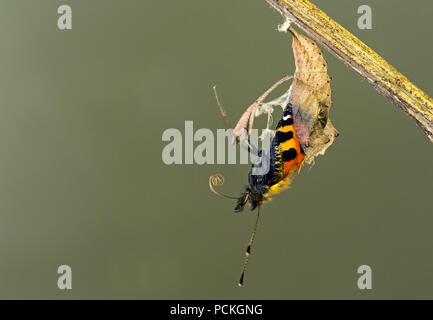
point(303, 131)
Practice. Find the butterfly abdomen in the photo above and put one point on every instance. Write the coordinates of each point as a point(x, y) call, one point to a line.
point(291, 152)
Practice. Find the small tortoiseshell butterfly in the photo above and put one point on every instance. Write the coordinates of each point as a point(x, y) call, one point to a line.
point(303, 131)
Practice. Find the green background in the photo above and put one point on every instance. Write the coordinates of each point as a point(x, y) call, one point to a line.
point(82, 181)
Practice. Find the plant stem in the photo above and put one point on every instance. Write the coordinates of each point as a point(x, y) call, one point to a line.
point(360, 58)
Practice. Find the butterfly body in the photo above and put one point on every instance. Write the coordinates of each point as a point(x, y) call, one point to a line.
point(285, 158)
point(303, 132)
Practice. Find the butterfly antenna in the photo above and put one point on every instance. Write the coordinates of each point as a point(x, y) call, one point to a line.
point(248, 251)
point(222, 110)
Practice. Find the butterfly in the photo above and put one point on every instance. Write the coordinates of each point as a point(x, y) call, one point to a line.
point(303, 131)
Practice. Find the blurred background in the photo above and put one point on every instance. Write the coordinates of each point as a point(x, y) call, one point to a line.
point(82, 180)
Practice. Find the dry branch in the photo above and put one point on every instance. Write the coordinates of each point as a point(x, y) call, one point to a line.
point(360, 58)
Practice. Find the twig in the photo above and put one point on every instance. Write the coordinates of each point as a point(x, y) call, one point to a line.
point(360, 58)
